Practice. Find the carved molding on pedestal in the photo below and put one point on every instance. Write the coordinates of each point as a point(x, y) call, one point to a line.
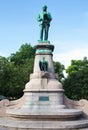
point(43, 74)
point(81, 104)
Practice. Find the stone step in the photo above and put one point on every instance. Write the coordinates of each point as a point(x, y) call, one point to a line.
point(12, 124)
point(45, 114)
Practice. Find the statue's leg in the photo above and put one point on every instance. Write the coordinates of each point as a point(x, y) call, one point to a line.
point(46, 32)
point(41, 32)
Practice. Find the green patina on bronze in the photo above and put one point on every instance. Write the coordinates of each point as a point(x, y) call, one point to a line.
point(43, 98)
point(45, 46)
point(44, 19)
point(43, 64)
point(43, 51)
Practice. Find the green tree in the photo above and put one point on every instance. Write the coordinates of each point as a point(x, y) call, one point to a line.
point(76, 83)
point(23, 61)
point(59, 68)
point(25, 52)
point(3, 63)
point(15, 71)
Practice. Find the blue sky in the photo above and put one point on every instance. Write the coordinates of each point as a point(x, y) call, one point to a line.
point(68, 30)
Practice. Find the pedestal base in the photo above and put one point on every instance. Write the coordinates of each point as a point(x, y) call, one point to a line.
point(11, 124)
point(45, 114)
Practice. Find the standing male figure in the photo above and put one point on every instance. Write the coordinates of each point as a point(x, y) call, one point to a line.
point(44, 18)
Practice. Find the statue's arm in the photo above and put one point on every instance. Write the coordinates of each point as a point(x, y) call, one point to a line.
point(49, 16)
point(39, 18)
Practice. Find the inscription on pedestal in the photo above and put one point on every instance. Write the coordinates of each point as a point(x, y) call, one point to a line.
point(43, 98)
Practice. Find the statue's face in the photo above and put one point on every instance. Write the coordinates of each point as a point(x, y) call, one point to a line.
point(45, 8)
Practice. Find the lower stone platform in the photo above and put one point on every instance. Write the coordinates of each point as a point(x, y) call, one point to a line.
point(12, 124)
point(9, 123)
point(45, 114)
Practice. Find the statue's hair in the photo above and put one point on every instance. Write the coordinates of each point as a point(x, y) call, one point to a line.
point(45, 6)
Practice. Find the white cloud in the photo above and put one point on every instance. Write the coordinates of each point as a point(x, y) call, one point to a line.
point(66, 57)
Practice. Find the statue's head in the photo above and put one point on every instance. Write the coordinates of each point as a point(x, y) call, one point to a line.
point(44, 8)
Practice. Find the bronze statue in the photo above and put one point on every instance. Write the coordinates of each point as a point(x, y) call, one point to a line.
point(43, 64)
point(44, 18)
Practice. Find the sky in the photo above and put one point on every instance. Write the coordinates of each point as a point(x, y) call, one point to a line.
point(68, 30)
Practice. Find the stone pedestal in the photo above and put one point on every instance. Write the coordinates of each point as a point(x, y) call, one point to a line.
point(43, 105)
point(44, 50)
point(44, 92)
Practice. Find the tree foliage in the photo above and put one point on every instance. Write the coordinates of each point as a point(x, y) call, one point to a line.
point(59, 68)
point(76, 83)
point(15, 71)
point(25, 53)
